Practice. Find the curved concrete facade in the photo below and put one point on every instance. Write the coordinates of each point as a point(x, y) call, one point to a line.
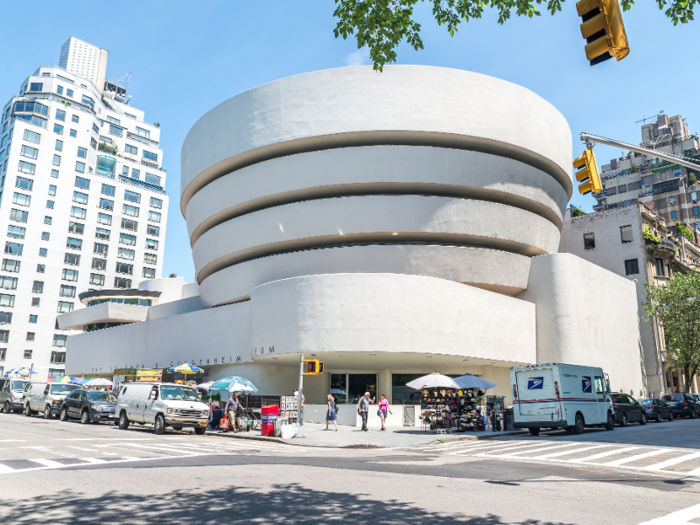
point(347, 157)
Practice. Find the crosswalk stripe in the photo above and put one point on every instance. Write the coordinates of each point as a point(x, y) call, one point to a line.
point(496, 448)
point(512, 447)
point(605, 454)
point(635, 458)
point(4, 469)
point(538, 449)
point(93, 460)
point(564, 453)
point(671, 462)
point(47, 462)
point(694, 473)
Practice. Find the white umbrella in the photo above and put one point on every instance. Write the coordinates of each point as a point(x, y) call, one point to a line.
point(470, 381)
point(433, 380)
point(99, 381)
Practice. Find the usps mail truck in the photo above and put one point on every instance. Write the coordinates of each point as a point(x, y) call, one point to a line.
point(555, 395)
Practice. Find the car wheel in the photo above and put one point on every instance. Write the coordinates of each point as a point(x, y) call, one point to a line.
point(28, 411)
point(123, 421)
point(6, 407)
point(658, 416)
point(670, 415)
point(534, 431)
point(643, 421)
point(624, 421)
point(85, 417)
point(693, 415)
point(64, 415)
point(578, 424)
point(610, 423)
point(200, 431)
point(47, 412)
point(159, 426)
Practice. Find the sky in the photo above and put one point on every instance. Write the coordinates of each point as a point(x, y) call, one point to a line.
point(185, 57)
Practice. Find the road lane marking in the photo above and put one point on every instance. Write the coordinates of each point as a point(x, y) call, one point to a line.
point(48, 462)
point(564, 453)
point(12, 440)
point(671, 462)
point(496, 448)
point(514, 454)
point(622, 461)
point(606, 454)
point(676, 518)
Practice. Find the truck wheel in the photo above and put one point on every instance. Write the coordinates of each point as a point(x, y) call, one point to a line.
point(624, 421)
point(610, 423)
point(6, 407)
point(123, 421)
point(200, 431)
point(643, 421)
point(534, 431)
point(159, 426)
point(28, 411)
point(85, 417)
point(47, 412)
point(578, 424)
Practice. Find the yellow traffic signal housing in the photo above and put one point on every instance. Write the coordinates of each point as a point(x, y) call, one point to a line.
point(603, 30)
point(313, 367)
point(587, 173)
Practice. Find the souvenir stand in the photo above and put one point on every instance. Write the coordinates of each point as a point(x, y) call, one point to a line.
point(447, 410)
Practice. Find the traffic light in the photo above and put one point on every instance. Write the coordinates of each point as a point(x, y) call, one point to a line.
point(603, 30)
point(587, 173)
point(313, 367)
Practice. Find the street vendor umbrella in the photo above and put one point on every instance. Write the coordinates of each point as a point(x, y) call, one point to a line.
point(66, 379)
point(433, 380)
point(234, 384)
point(22, 371)
point(186, 368)
point(99, 381)
point(205, 386)
point(470, 381)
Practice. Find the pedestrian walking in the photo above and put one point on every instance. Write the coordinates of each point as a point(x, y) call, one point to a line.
point(331, 415)
point(233, 407)
point(383, 409)
point(363, 409)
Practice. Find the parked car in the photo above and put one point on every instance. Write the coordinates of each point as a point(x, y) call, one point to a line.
point(656, 410)
point(46, 398)
point(682, 405)
point(12, 394)
point(696, 397)
point(628, 410)
point(162, 404)
point(90, 406)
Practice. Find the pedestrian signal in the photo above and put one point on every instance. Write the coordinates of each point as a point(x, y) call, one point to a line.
point(313, 367)
point(603, 30)
point(587, 173)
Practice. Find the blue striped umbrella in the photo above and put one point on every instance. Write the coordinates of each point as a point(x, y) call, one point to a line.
point(234, 384)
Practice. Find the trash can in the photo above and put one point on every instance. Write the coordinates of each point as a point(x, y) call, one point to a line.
point(268, 415)
point(278, 427)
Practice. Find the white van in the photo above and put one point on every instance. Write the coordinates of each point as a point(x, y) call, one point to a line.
point(555, 395)
point(46, 398)
point(161, 405)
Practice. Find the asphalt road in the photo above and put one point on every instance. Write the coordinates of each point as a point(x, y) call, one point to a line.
point(55, 472)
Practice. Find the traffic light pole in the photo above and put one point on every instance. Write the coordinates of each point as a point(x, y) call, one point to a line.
point(300, 401)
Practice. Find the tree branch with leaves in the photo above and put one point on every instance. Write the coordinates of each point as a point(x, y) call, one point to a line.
point(381, 25)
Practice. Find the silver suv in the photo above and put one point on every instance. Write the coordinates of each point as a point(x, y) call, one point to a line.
point(12, 394)
point(46, 398)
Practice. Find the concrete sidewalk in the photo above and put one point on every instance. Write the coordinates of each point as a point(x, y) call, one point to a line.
point(316, 435)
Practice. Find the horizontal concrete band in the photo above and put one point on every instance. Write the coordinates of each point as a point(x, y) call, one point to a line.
point(495, 270)
point(374, 138)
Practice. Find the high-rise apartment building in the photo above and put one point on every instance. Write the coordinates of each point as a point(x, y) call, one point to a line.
point(82, 202)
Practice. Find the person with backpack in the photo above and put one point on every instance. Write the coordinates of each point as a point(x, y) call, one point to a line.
point(332, 414)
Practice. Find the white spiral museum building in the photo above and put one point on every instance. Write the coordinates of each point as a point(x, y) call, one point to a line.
point(388, 224)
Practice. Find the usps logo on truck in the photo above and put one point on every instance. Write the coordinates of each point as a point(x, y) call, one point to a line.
point(535, 383)
point(586, 384)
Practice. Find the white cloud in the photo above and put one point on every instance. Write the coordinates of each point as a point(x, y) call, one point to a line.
point(358, 58)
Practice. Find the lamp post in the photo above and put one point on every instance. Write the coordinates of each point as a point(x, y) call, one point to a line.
point(658, 335)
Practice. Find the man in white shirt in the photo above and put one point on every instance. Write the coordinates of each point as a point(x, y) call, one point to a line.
point(363, 409)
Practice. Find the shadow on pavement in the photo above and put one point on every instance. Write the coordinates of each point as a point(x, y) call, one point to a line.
point(281, 504)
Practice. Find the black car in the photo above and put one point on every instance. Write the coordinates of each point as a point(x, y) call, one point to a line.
point(89, 406)
point(627, 410)
point(682, 405)
point(656, 410)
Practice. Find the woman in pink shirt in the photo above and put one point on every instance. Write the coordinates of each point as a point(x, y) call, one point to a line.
point(383, 409)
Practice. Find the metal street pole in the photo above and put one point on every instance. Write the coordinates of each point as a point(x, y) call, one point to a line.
point(300, 401)
point(661, 359)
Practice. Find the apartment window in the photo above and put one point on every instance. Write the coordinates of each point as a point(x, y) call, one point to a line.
point(76, 227)
point(18, 215)
point(589, 241)
point(88, 101)
point(132, 196)
point(93, 143)
point(27, 167)
point(80, 198)
point(82, 183)
point(36, 86)
point(58, 358)
point(6, 318)
point(57, 128)
point(124, 253)
point(153, 230)
point(132, 211)
point(40, 268)
point(102, 233)
point(113, 120)
point(10, 265)
point(69, 275)
point(59, 145)
point(125, 171)
point(677, 172)
point(125, 268)
point(14, 248)
point(30, 336)
point(696, 211)
point(694, 196)
point(75, 118)
point(49, 204)
point(121, 282)
point(631, 267)
point(8, 283)
point(74, 244)
point(79, 166)
point(103, 218)
point(73, 259)
point(128, 224)
point(43, 252)
point(73, 133)
point(108, 190)
point(143, 132)
point(135, 174)
point(150, 258)
point(31, 136)
point(7, 300)
point(36, 301)
point(24, 184)
point(4, 336)
point(154, 216)
point(67, 291)
point(626, 233)
point(60, 340)
point(101, 249)
point(674, 214)
point(150, 156)
point(660, 267)
point(82, 153)
point(78, 213)
point(96, 278)
point(672, 200)
point(47, 220)
point(69, 93)
point(156, 203)
point(64, 307)
point(29, 152)
point(16, 232)
point(54, 174)
point(60, 115)
point(33, 318)
point(114, 130)
point(99, 264)
point(52, 190)
point(131, 149)
point(27, 354)
point(151, 244)
point(152, 179)
point(45, 236)
point(59, 90)
point(56, 160)
point(129, 240)
point(107, 204)
point(21, 199)
point(149, 273)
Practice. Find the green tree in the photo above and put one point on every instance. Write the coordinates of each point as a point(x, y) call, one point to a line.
point(679, 314)
point(381, 25)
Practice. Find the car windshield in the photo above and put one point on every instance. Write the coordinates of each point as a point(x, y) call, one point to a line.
point(101, 396)
point(18, 386)
point(674, 397)
point(60, 390)
point(183, 393)
point(646, 401)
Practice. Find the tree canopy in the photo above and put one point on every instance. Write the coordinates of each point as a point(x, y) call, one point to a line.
point(381, 25)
